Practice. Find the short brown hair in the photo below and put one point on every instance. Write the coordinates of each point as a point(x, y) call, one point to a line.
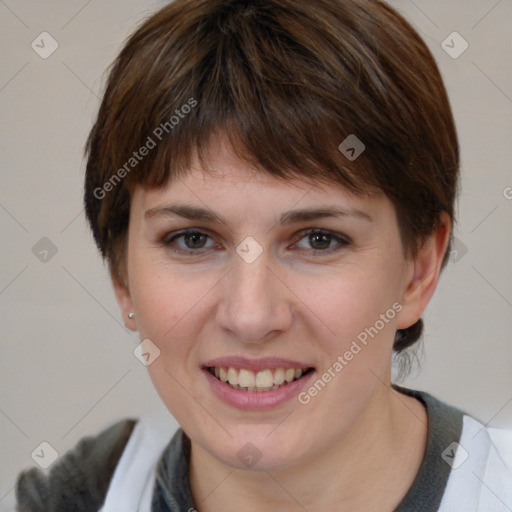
point(286, 81)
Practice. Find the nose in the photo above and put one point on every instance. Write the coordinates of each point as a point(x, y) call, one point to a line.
point(256, 303)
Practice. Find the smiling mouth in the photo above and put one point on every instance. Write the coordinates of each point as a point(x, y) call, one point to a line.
point(264, 380)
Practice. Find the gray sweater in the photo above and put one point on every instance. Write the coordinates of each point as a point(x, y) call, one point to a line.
point(80, 479)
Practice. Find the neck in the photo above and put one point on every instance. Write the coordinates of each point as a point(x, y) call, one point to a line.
point(382, 451)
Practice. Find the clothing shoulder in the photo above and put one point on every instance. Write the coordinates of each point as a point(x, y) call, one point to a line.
point(79, 480)
point(500, 458)
point(502, 442)
point(481, 478)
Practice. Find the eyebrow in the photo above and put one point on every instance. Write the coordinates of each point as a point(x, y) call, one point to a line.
point(290, 217)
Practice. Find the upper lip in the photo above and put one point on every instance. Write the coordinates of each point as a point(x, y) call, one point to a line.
point(255, 365)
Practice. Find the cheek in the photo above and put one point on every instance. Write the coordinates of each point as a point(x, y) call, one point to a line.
point(356, 303)
point(169, 314)
point(357, 308)
point(165, 301)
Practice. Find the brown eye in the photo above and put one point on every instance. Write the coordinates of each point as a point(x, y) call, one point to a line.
point(196, 240)
point(320, 241)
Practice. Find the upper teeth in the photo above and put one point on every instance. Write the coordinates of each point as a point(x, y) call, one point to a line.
point(262, 381)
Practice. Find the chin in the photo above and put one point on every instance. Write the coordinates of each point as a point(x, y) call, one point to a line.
point(258, 448)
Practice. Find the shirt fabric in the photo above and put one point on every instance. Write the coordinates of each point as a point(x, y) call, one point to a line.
point(132, 466)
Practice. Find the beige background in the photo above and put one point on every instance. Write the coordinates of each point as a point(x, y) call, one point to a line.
point(67, 367)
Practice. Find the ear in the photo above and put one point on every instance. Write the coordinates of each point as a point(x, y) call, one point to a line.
point(123, 299)
point(423, 274)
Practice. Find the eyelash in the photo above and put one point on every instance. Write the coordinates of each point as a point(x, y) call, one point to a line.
point(168, 240)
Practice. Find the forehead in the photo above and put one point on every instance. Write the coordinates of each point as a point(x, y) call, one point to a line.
point(227, 179)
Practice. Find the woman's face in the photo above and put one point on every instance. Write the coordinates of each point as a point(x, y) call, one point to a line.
point(268, 289)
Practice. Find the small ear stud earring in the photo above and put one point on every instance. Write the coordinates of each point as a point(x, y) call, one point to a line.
point(131, 315)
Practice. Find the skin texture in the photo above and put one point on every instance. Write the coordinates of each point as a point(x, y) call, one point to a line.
point(356, 434)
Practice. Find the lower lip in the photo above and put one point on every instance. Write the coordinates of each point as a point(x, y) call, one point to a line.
point(256, 400)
